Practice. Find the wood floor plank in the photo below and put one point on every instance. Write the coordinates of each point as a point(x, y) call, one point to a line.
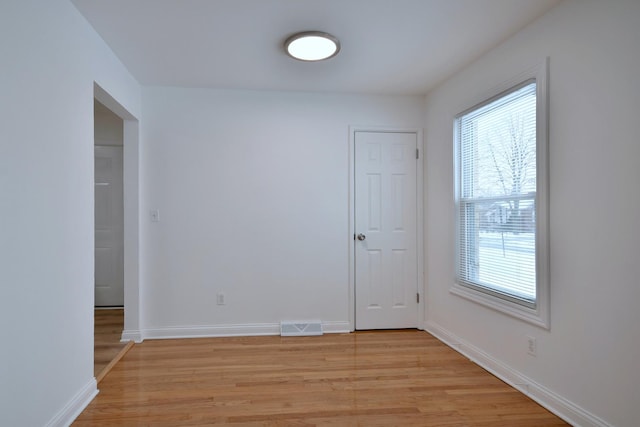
point(385, 378)
point(108, 326)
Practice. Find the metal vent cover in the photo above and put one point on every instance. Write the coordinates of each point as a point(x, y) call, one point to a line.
point(300, 329)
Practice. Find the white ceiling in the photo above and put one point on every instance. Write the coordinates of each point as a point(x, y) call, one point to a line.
point(388, 46)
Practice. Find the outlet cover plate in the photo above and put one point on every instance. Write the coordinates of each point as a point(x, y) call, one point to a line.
point(532, 346)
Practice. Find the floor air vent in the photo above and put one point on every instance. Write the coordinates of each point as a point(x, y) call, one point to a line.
point(300, 329)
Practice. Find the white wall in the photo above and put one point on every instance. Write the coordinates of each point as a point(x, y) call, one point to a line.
point(108, 127)
point(252, 189)
point(50, 60)
point(590, 355)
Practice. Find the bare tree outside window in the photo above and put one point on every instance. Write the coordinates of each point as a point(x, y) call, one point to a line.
point(507, 167)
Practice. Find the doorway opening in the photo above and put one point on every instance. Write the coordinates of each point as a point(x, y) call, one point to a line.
point(116, 198)
point(108, 237)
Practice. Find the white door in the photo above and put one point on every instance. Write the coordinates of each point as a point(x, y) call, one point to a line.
point(109, 228)
point(386, 279)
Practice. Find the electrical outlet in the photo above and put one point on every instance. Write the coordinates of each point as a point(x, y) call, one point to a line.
point(220, 298)
point(532, 346)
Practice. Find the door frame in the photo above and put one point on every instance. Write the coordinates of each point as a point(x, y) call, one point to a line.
point(419, 217)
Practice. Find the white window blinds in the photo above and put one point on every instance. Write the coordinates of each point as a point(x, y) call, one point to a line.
point(496, 196)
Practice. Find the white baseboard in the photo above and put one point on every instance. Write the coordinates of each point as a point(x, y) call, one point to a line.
point(563, 408)
point(238, 330)
point(75, 406)
point(336, 327)
point(131, 335)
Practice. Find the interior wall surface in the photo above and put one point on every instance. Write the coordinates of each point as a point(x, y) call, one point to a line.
point(51, 58)
point(108, 127)
point(252, 190)
point(589, 355)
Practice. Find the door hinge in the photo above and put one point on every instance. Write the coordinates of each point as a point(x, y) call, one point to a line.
point(417, 153)
point(418, 298)
point(354, 236)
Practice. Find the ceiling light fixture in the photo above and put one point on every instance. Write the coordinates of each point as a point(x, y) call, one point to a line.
point(312, 46)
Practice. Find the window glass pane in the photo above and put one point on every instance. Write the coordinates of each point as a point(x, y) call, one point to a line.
point(498, 253)
point(497, 195)
point(498, 144)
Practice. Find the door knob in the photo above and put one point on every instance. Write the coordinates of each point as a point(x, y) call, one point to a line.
point(361, 237)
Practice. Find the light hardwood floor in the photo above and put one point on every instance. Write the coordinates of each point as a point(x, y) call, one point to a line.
point(108, 326)
point(384, 378)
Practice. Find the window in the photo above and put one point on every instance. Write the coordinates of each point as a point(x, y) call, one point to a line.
point(501, 207)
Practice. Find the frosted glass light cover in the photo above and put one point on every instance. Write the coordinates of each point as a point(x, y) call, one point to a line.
point(312, 46)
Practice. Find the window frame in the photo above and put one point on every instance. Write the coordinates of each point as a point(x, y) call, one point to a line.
point(537, 313)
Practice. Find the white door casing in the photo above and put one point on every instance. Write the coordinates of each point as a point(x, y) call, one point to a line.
point(385, 218)
point(109, 227)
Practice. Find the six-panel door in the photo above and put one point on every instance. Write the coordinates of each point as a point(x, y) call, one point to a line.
point(385, 220)
point(109, 220)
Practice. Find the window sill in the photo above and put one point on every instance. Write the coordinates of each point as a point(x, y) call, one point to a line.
point(537, 316)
